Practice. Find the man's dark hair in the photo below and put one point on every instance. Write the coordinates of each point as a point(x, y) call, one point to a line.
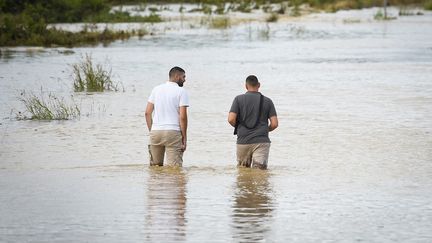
point(175, 70)
point(252, 80)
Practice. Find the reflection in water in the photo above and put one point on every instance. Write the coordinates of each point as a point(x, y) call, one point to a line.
point(252, 205)
point(166, 205)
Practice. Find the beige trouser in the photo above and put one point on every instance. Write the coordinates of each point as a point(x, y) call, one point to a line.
point(168, 141)
point(253, 155)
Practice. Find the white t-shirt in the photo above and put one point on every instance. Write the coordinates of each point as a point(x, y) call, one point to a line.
point(167, 99)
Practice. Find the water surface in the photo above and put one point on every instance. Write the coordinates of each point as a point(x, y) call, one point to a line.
point(351, 160)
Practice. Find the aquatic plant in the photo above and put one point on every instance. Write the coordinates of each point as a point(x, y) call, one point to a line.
point(47, 107)
point(123, 17)
point(92, 78)
point(273, 17)
point(406, 11)
point(382, 16)
point(220, 23)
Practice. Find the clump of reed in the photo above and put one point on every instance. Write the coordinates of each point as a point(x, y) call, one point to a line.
point(47, 107)
point(220, 23)
point(382, 16)
point(91, 77)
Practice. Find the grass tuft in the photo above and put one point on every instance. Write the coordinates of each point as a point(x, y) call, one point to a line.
point(47, 107)
point(92, 78)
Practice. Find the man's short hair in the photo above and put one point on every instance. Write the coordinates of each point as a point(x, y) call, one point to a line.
point(175, 70)
point(252, 80)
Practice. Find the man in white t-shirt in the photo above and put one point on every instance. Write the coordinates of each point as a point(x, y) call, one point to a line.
point(166, 117)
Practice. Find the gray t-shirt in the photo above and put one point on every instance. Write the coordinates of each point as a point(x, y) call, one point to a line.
point(246, 106)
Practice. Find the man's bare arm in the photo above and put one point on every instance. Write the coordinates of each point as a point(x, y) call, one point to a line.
point(274, 123)
point(183, 125)
point(232, 118)
point(148, 115)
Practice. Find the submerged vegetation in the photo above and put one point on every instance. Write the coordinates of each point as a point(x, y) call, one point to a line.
point(91, 77)
point(47, 107)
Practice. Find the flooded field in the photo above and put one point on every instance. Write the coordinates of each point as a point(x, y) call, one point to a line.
point(351, 160)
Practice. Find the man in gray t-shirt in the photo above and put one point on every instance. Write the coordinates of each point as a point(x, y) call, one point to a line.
point(250, 114)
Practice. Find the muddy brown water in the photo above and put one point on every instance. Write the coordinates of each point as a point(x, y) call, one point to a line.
point(351, 160)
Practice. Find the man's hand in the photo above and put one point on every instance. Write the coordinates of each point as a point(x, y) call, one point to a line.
point(274, 123)
point(183, 146)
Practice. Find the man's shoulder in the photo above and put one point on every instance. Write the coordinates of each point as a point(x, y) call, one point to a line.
point(240, 96)
point(159, 86)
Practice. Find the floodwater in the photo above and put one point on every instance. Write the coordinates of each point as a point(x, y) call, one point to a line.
point(350, 162)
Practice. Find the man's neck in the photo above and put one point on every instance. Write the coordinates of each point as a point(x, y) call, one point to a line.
point(253, 90)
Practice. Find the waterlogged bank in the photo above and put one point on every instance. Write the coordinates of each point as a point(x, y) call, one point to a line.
point(349, 162)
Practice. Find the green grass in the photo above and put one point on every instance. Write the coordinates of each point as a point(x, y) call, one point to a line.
point(123, 17)
point(91, 77)
point(47, 107)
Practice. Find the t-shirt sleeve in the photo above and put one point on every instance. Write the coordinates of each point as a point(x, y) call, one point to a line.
point(272, 111)
point(151, 98)
point(234, 106)
point(184, 98)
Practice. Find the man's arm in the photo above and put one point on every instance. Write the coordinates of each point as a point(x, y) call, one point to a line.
point(232, 118)
point(148, 115)
point(183, 125)
point(273, 123)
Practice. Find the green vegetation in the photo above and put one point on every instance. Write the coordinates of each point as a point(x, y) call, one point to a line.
point(92, 78)
point(428, 5)
point(25, 22)
point(21, 30)
point(47, 107)
point(273, 17)
point(381, 16)
point(123, 17)
point(220, 23)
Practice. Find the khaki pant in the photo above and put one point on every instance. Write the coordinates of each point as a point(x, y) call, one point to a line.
point(253, 155)
point(165, 141)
